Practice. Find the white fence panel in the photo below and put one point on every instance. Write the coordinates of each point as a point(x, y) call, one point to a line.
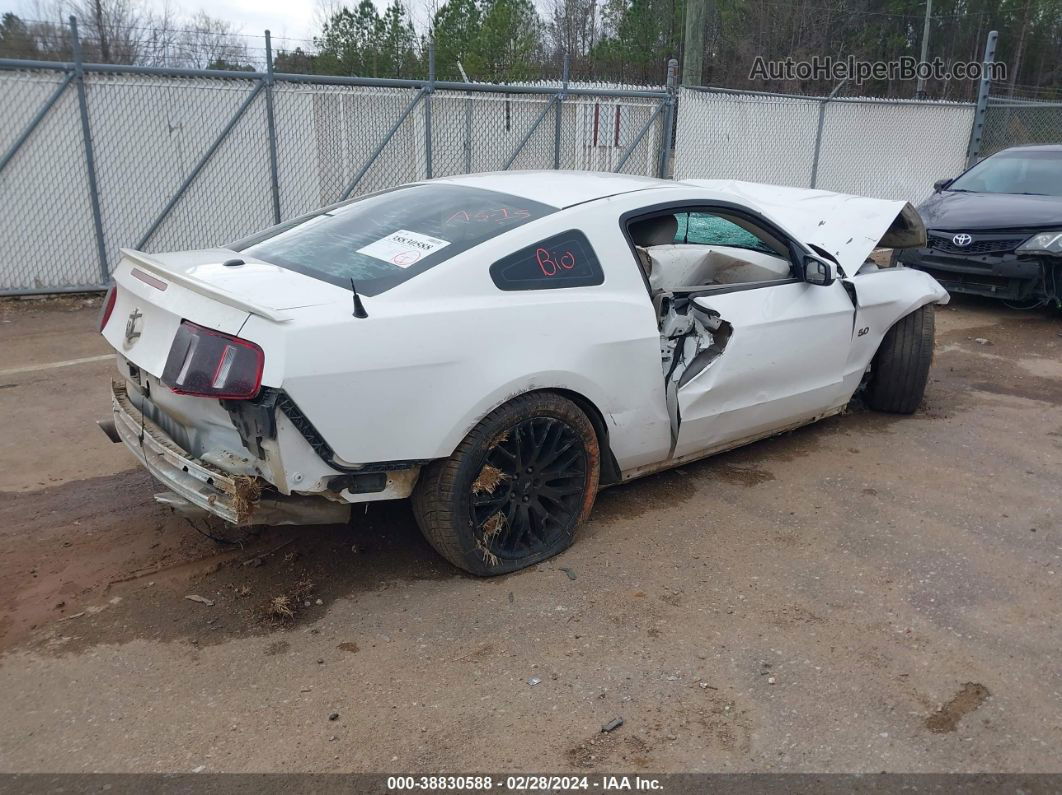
point(886, 149)
point(46, 229)
point(892, 150)
point(751, 137)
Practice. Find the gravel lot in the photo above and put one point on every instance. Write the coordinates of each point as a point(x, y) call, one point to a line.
point(869, 593)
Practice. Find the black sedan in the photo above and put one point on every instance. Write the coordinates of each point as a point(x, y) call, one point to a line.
point(996, 230)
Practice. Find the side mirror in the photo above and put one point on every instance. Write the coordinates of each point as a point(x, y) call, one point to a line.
point(817, 271)
point(941, 184)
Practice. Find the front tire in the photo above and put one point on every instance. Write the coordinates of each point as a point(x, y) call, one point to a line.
point(514, 490)
point(900, 369)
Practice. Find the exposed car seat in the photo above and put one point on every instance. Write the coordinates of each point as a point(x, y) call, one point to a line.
point(690, 265)
point(652, 232)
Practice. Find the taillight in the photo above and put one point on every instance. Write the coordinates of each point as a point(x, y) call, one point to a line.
point(207, 363)
point(108, 306)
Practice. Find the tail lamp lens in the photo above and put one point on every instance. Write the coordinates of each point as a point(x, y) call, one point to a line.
point(207, 363)
point(108, 306)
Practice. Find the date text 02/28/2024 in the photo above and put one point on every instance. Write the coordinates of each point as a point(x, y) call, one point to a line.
point(525, 783)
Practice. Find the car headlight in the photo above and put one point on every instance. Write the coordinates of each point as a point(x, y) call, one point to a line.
point(1043, 243)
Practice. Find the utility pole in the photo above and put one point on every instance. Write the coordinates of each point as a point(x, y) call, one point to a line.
point(920, 92)
point(693, 55)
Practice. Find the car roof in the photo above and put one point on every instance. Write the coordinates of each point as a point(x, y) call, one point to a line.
point(1034, 148)
point(559, 189)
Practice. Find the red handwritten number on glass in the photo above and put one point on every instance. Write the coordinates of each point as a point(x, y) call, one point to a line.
point(550, 266)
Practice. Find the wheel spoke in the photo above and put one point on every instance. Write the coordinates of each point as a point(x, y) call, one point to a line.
point(534, 523)
point(489, 500)
point(565, 464)
point(536, 428)
point(546, 449)
point(548, 460)
point(523, 522)
point(510, 456)
point(559, 477)
point(546, 518)
point(524, 447)
point(557, 492)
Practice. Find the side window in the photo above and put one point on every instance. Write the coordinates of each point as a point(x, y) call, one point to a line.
point(713, 230)
point(564, 260)
point(701, 248)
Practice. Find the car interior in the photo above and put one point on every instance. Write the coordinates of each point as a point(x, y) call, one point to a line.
point(694, 250)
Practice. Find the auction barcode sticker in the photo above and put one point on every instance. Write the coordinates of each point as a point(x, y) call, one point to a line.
point(403, 248)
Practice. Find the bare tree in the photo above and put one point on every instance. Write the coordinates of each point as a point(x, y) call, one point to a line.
point(159, 46)
point(208, 42)
point(113, 29)
point(571, 26)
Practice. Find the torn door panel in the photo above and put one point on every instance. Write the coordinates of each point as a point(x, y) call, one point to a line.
point(691, 339)
point(782, 361)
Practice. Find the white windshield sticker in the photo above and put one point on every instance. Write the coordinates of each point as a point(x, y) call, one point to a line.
point(403, 248)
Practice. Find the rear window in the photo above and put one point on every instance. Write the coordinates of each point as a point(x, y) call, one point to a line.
point(382, 240)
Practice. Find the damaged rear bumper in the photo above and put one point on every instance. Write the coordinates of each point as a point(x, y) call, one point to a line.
point(238, 499)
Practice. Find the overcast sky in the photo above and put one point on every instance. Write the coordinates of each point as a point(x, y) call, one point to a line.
point(297, 19)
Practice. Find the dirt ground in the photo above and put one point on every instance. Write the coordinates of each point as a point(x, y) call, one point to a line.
point(869, 593)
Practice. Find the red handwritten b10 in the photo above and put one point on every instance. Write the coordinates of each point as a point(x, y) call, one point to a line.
point(550, 265)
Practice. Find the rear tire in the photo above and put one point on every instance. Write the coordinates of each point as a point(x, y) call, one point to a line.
point(900, 369)
point(515, 489)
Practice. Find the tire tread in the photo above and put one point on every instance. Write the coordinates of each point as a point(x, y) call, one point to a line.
point(901, 366)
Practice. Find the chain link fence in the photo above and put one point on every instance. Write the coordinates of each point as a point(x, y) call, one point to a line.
point(94, 158)
point(32, 195)
point(889, 149)
point(1011, 121)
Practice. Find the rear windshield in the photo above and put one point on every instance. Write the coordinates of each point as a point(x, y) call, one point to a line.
point(1016, 171)
point(382, 240)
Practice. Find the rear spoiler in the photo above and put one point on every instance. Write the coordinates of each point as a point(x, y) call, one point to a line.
point(179, 277)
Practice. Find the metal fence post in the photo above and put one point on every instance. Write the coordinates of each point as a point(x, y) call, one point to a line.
point(669, 119)
point(468, 133)
point(271, 127)
point(978, 129)
point(818, 134)
point(427, 107)
point(560, 108)
point(90, 158)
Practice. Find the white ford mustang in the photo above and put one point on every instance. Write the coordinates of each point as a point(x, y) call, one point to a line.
point(499, 346)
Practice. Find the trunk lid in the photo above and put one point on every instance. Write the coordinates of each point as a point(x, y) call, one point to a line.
point(148, 310)
point(154, 293)
point(254, 286)
point(848, 227)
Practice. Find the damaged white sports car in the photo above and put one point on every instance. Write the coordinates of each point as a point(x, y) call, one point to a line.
point(499, 346)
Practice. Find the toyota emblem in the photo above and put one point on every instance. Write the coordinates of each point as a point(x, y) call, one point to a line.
point(962, 240)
